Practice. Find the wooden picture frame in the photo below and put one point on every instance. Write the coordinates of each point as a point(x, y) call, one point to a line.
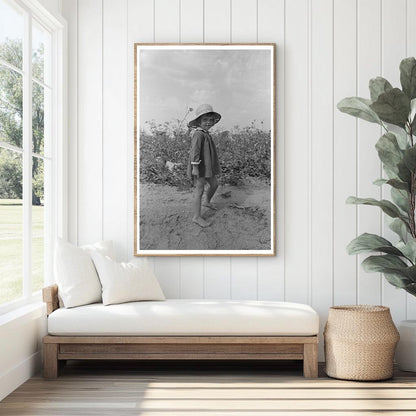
point(175, 85)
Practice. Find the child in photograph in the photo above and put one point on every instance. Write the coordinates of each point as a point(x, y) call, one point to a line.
point(203, 163)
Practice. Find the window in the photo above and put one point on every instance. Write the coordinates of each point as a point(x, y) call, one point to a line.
point(31, 140)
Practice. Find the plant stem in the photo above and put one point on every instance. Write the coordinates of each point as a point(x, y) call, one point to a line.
point(188, 110)
point(412, 195)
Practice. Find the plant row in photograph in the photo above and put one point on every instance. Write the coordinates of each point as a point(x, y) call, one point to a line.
point(164, 153)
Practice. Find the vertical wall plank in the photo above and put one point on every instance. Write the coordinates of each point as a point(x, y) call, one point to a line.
point(167, 16)
point(115, 52)
point(411, 28)
point(244, 278)
point(345, 151)
point(140, 21)
point(369, 168)
point(90, 128)
point(217, 278)
point(192, 278)
point(296, 152)
point(167, 273)
point(244, 29)
point(411, 51)
point(192, 21)
point(270, 277)
point(394, 38)
point(70, 12)
point(271, 29)
point(244, 21)
point(393, 51)
point(217, 29)
point(217, 21)
point(321, 169)
point(192, 31)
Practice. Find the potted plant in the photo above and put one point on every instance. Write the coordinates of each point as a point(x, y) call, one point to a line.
point(394, 109)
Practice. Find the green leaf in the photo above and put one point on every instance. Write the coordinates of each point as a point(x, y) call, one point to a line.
point(412, 116)
point(397, 280)
point(408, 249)
point(392, 107)
point(398, 184)
point(401, 139)
point(408, 77)
point(396, 271)
point(389, 151)
point(400, 198)
point(390, 173)
point(380, 182)
point(395, 183)
point(400, 228)
point(412, 109)
point(410, 158)
point(404, 173)
point(378, 86)
point(389, 208)
point(366, 243)
point(359, 107)
point(381, 263)
point(411, 273)
point(411, 289)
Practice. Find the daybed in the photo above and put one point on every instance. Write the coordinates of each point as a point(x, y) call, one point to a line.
point(181, 329)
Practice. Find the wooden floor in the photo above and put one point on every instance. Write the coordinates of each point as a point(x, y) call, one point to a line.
point(191, 389)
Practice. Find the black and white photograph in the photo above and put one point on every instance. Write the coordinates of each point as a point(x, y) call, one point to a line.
point(204, 149)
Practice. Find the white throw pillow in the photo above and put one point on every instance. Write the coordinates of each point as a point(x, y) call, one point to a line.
point(126, 282)
point(75, 273)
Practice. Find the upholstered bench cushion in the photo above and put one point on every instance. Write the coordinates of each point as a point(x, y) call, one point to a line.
point(185, 317)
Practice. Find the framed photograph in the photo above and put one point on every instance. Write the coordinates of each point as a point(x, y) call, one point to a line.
point(204, 150)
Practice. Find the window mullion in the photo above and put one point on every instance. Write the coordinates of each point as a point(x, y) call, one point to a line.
point(12, 67)
point(27, 157)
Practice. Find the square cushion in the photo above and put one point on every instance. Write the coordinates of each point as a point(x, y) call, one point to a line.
point(126, 282)
point(75, 273)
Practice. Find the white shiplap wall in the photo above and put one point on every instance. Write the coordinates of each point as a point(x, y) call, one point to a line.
point(326, 50)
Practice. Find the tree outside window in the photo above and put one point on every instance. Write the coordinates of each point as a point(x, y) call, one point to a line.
point(17, 232)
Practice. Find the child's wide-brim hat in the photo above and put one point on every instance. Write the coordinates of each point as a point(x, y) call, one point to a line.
point(201, 111)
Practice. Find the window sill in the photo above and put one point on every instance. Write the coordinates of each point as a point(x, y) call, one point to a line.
point(19, 303)
point(35, 308)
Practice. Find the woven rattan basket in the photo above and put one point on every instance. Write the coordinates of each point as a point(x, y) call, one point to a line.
point(360, 341)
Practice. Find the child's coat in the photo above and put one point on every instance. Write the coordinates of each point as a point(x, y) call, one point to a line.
point(203, 153)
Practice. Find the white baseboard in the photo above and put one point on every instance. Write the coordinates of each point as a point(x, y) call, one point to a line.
point(10, 380)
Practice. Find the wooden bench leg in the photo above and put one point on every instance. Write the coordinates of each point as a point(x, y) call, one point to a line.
point(310, 360)
point(50, 360)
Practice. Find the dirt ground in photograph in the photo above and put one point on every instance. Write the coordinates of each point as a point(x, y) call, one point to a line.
point(241, 222)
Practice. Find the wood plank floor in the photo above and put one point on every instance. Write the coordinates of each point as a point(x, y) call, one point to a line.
point(206, 388)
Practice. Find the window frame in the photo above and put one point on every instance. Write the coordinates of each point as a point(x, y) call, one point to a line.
point(57, 226)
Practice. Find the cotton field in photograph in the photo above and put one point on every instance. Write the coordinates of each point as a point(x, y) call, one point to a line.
point(244, 152)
